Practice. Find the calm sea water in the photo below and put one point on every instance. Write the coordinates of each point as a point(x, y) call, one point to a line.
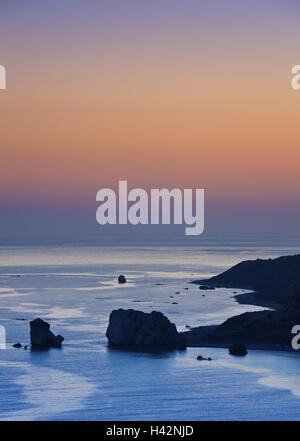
point(75, 289)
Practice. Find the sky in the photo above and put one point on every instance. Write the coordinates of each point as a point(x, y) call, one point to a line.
point(193, 94)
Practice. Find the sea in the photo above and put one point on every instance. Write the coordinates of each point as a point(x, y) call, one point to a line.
point(74, 288)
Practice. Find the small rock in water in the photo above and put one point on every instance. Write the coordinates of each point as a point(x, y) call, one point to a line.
point(238, 349)
point(185, 288)
point(205, 287)
point(174, 303)
point(122, 279)
point(200, 358)
point(17, 345)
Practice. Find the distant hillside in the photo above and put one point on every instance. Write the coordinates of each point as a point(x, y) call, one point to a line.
point(277, 279)
point(260, 330)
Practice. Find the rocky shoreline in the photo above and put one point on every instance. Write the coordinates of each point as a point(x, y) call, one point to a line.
point(270, 329)
point(276, 285)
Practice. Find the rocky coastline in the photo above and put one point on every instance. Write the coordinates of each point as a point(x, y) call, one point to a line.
point(275, 284)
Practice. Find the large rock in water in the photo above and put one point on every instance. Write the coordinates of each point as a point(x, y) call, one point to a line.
point(141, 329)
point(42, 337)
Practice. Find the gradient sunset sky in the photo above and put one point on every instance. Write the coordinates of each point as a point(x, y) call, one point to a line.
point(167, 93)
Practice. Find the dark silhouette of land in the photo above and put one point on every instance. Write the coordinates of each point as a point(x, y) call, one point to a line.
point(276, 284)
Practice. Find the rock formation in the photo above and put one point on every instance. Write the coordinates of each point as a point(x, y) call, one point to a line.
point(122, 279)
point(140, 329)
point(201, 358)
point(42, 337)
point(17, 345)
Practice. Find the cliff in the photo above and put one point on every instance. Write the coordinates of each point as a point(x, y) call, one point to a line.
point(275, 279)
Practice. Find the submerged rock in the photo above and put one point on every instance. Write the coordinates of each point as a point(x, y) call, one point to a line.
point(238, 349)
point(17, 345)
point(122, 279)
point(206, 287)
point(42, 337)
point(140, 329)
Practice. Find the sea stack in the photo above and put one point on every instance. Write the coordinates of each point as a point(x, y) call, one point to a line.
point(42, 337)
point(145, 330)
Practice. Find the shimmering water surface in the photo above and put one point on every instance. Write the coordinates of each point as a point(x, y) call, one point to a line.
point(75, 289)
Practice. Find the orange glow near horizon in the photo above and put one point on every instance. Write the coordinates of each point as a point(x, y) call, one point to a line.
point(211, 110)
